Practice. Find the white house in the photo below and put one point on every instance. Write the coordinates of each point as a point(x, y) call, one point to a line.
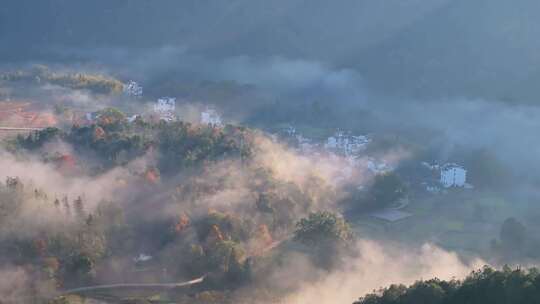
point(453, 175)
point(165, 108)
point(142, 258)
point(165, 104)
point(210, 117)
point(133, 89)
point(132, 118)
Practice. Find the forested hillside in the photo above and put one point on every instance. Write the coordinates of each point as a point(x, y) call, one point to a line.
point(516, 286)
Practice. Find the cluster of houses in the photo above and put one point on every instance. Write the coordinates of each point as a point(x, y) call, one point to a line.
point(341, 144)
point(165, 107)
point(350, 146)
point(346, 144)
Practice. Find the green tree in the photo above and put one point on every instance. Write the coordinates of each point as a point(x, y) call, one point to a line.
point(226, 261)
point(387, 189)
point(323, 228)
point(80, 266)
point(78, 207)
point(506, 286)
point(111, 119)
point(485, 170)
point(37, 139)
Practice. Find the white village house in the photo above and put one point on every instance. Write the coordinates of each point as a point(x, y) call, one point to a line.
point(133, 89)
point(210, 117)
point(165, 108)
point(453, 175)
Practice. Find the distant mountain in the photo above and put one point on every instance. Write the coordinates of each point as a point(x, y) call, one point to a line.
point(481, 48)
point(422, 48)
point(296, 28)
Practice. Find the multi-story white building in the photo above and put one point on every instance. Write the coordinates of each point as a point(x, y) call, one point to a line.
point(453, 175)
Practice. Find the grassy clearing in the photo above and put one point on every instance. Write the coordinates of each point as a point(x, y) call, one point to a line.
point(464, 221)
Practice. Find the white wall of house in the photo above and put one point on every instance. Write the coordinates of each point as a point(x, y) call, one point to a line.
point(453, 176)
point(165, 104)
point(133, 89)
point(165, 108)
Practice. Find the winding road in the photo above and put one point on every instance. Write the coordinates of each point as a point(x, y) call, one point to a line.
point(132, 286)
point(19, 129)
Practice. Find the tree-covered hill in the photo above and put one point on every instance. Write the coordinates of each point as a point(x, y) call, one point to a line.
point(485, 286)
point(113, 141)
point(41, 75)
point(480, 48)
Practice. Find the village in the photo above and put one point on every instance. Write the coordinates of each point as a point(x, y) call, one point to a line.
point(24, 116)
point(443, 182)
point(426, 198)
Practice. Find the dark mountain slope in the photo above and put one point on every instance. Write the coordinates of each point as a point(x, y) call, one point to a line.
point(483, 48)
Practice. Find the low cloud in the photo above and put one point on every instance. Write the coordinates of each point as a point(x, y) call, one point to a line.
point(379, 265)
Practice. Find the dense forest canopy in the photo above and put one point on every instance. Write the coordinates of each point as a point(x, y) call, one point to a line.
point(482, 286)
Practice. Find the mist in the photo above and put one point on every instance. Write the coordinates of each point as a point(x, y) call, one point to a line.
point(365, 274)
point(437, 82)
